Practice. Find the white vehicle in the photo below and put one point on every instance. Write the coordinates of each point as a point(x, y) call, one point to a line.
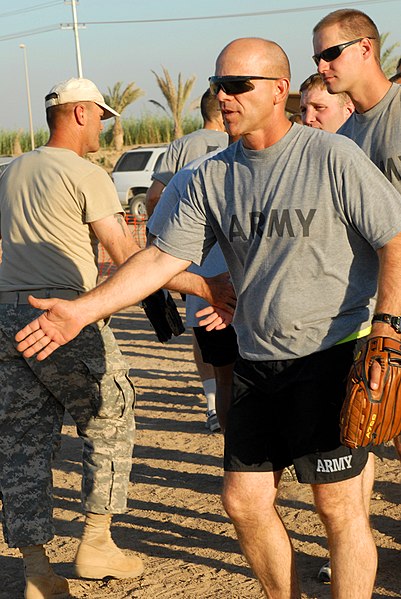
point(132, 176)
point(4, 162)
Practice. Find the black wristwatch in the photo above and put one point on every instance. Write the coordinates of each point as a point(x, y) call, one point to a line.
point(393, 321)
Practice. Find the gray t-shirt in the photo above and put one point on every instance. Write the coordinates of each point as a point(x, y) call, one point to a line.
point(187, 148)
point(378, 132)
point(214, 262)
point(299, 224)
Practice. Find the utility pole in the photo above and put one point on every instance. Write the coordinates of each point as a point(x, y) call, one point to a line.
point(75, 28)
point(28, 95)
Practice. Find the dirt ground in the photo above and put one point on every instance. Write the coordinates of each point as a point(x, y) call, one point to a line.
point(175, 519)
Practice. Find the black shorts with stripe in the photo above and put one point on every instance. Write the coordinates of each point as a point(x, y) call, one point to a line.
point(287, 412)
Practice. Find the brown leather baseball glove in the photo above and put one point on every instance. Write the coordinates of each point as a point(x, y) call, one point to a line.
point(373, 416)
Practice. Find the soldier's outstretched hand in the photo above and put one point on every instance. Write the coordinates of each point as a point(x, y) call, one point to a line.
point(59, 323)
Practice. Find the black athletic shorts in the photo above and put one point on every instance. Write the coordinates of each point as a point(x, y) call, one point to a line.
point(287, 412)
point(218, 348)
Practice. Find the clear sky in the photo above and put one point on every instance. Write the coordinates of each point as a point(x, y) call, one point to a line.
point(130, 51)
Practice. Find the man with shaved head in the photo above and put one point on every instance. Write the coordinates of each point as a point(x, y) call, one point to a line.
point(284, 205)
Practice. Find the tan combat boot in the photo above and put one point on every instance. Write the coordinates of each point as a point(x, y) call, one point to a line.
point(41, 581)
point(99, 557)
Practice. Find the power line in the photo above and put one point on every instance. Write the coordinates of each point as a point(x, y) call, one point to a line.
point(19, 11)
point(29, 32)
point(241, 15)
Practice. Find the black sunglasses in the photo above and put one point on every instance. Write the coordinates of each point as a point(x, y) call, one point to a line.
point(234, 84)
point(334, 51)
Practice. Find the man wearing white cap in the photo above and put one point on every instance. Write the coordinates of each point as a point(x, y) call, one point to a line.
point(54, 206)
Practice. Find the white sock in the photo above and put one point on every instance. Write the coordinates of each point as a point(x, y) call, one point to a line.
point(209, 389)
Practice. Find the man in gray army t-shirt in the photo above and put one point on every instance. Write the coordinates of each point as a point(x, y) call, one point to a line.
point(284, 203)
point(376, 123)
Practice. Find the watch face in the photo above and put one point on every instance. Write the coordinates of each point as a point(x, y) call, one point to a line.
point(394, 322)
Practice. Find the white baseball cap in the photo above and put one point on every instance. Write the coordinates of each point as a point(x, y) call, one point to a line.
point(78, 90)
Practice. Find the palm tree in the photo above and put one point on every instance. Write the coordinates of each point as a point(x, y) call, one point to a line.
point(176, 97)
point(388, 62)
point(119, 99)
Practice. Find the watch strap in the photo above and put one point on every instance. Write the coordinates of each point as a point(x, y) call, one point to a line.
point(393, 321)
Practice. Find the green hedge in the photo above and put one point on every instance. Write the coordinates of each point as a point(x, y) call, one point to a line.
point(147, 129)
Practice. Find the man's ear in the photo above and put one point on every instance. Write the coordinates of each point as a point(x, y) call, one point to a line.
point(80, 113)
point(367, 48)
point(349, 109)
point(281, 90)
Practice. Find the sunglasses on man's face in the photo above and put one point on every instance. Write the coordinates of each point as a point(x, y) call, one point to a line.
point(334, 51)
point(234, 84)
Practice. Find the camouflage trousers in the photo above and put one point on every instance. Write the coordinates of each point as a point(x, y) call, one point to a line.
point(88, 377)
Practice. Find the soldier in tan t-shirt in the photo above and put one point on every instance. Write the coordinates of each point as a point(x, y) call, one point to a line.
point(54, 208)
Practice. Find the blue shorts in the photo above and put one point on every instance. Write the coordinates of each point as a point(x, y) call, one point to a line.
point(287, 412)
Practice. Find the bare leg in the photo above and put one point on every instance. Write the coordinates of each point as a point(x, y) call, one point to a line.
point(249, 500)
point(368, 479)
point(205, 371)
point(353, 553)
point(207, 376)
